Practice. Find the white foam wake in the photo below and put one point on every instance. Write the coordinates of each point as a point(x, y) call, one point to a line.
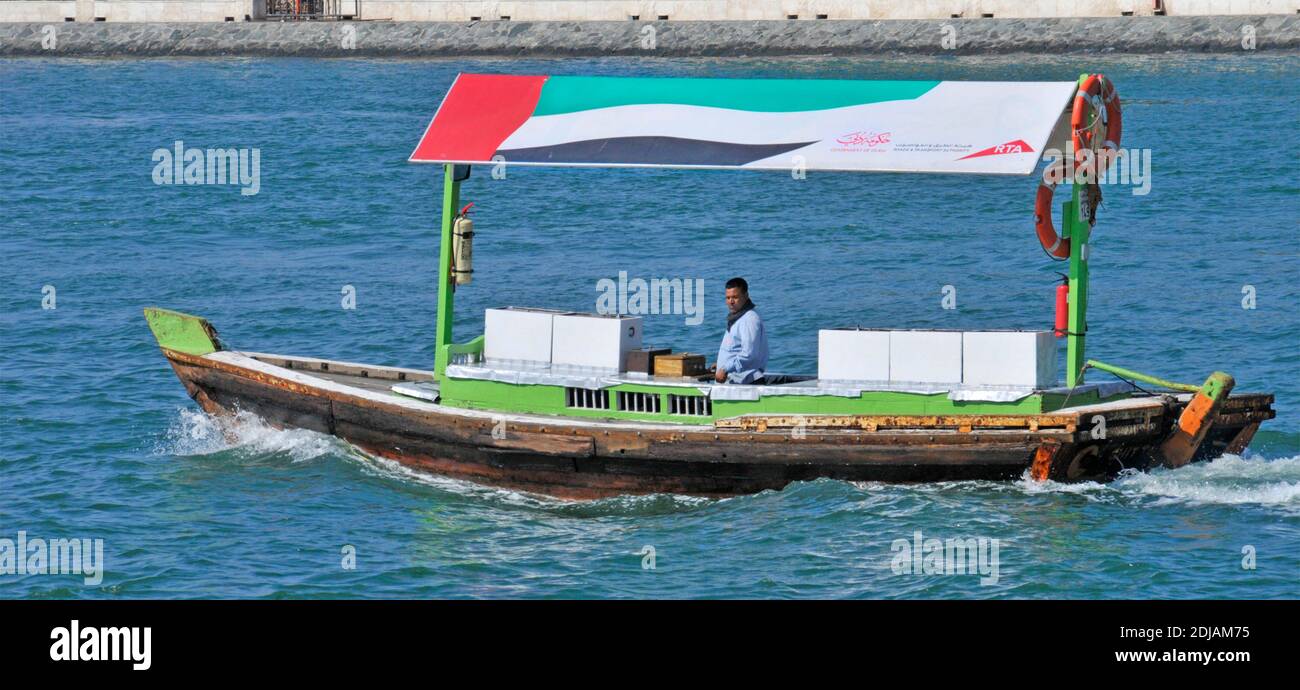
point(1228, 480)
point(194, 432)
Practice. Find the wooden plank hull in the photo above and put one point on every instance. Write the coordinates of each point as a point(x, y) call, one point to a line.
point(584, 459)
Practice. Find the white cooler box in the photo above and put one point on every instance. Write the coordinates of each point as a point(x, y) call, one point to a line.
point(1025, 359)
point(518, 334)
point(852, 354)
point(594, 341)
point(1009, 358)
point(925, 356)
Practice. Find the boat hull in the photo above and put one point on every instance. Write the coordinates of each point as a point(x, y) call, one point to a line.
point(585, 459)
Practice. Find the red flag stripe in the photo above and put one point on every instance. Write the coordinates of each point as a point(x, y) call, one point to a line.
point(480, 112)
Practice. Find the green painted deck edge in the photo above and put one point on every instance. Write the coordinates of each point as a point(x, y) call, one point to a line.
point(474, 346)
point(497, 396)
point(549, 400)
point(186, 333)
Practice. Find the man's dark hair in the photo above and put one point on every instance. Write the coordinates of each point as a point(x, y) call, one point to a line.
point(738, 283)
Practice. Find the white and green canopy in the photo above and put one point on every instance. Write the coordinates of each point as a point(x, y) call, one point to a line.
point(774, 124)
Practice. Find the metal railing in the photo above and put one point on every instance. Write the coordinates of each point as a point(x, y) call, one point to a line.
point(303, 10)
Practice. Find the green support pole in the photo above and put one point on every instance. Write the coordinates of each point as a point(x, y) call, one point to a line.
point(1078, 321)
point(450, 200)
point(1079, 231)
point(1147, 378)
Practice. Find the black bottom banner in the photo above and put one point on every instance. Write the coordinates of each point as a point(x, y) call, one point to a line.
point(210, 639)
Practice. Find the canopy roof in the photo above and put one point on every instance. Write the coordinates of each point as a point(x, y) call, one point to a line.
point(774, 124)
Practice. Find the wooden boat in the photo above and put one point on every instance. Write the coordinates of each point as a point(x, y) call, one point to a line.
point(584, 434)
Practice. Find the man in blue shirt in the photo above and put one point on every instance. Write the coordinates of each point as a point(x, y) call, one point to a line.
point(742, 358)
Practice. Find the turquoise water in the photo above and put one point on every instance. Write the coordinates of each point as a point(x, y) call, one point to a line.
point(99, 440)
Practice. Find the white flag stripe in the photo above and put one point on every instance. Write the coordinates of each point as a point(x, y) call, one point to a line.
point(929, 133)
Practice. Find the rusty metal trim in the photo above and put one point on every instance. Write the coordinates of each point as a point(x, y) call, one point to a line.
point(963, 423)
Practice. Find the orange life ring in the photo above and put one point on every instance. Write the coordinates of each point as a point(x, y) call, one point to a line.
point(1096, 90)
point(1053, 243)
point(1096, 97)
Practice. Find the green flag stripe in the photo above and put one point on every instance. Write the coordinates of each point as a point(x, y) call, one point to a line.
point(571, 94)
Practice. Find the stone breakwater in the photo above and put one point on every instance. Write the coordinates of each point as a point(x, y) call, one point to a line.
point(1220, 34)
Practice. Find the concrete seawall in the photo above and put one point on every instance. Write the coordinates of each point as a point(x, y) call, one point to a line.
point(1221, 34)
point(617, 10)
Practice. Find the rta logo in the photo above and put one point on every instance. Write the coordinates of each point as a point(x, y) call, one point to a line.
point(1017, 146)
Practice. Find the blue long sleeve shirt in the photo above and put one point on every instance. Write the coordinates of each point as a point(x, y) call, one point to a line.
point(743, 354)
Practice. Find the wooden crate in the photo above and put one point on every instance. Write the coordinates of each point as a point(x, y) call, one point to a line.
point(643, 360)
point(680, 364)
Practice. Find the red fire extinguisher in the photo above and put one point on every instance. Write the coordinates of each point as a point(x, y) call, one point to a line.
point(1063, 306)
